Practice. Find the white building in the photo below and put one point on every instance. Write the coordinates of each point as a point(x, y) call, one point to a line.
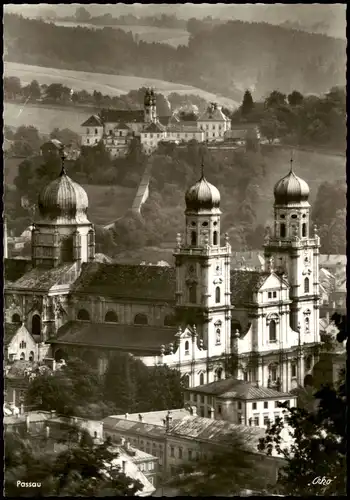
point(214, 123)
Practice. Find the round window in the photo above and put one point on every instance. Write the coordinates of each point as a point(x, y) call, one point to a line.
point(283, 216)
point(193, 223)
point(205, 224)
point(294, 216)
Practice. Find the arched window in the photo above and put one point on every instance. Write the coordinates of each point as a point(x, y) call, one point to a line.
point(111, 317)
point(83, 315)
point(303, 230)
point(308, 363)
point(218, 336)
point(283, 230)
point(217, 295)
point(307, 324)
point(192, 294)
point(187, 347)
point(201, 379)
point(293, 369)
point(306, 285)
point(215, 238)
point(31, 356)
point(218, 374)
point(186, 381)
point(140, 319)
point(273, 373)
point(22, 357)
point(22, 344)
point(16, 318)
point(36, 325)
point(272, 331)
point(169, 320)
point(193, 238)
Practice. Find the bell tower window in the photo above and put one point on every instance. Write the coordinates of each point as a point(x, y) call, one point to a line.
point(193, 238)
point(215, 238)
point(283, 230)
point(217, 295)
point(272, 331)
point(192, 294)
point(304, 230)
point(306, 285)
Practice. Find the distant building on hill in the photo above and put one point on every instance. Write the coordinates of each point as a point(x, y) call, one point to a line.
point(116, 128)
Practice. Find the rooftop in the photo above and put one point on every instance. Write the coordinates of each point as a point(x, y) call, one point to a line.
point(139, 428)
point(42, 279)
point(141, 339)
point(121, 115)
point(244, 284)
point(15, 268)
point(238, 389)
point(93, 121)
point(127, 281)
point(154, 417)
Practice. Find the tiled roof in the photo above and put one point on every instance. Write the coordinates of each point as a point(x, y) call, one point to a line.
point(154, 417)
point(154, 127)
point(55, 142)
point(238, 389)
point(252, 259)
point(122, 126)
point(10, 331)
point(93, 121)
point(143, 339)
point(127, 281)
point(122, 115)
point(244, 126)
point(42, 279)
point(206, 429)
point(332, 260)
point(164, 120)
point(244, 284)
point(139, 428)
point(15, 268)
point(214, 114)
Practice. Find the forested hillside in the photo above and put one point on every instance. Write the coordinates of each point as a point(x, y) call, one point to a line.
point(224, 59)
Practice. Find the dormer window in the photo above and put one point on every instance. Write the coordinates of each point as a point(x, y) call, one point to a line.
point(187, 347)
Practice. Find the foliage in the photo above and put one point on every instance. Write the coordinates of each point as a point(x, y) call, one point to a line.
point(26, 141)
point(79, 470)
point(247, 104)
point(318, 446)
point(225, 471)
point(66, 136)
point(133, 387)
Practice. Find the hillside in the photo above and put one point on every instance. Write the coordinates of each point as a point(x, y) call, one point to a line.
point(237, 55)
point(105, 83)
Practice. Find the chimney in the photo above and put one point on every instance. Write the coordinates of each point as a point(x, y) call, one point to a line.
point(140, 417)
point(168, 420)
point(123, 465)
point(126, 415)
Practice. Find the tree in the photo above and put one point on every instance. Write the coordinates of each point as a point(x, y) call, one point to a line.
point(82, 15)
point(26, 141)
point(269, 126)
point(247, 104)
point(12, 87)
point(275, 99)
point(295, 98)
point(227, 470)
point(58, 92)
point(66, 136)
point(318, 446)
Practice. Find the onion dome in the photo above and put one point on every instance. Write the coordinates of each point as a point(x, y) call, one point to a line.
point(202, 196)
point(63, 200)
point(291, 190)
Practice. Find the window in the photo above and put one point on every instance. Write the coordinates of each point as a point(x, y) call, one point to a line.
point(189, 454)
point(96, 141)
point(308, 363)
point(254, 406)
point(151, 136)
point(274, 294)
point(187, 347)
point(36, 325)
point(192, 293)
point(217, 295)
point(111, 132)
point(111, 317)
point(294, 216)
point(266, 405)
point(276, 404)
point(294, 370)
point(193, 238)
point(140, 319)
point(218, 336)
point(282, 230)
point(272, 331)
point(22, 345)
point(303, 230)
point(120, 134)
point(277, 416)
point(219, 373)
point(202, 398)
point(269, 295)
point(172, 451)
point(88, 131)
point(16, 318)
point(31, 356)
point(245, 376)
point(266, 420)
point(83, 315)
point(306, 285)
point(219, 409)
point(202, 412)
point(273, 373)
point(22, 357)
point(180, 452)
point(195, 398)
point(201, 379)
point(145, 135)
point(87, 141)
point(96, 131)
point(239, 405)
point(186, 381)
point(256, 421)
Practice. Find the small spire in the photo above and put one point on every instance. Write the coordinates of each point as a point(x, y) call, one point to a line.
point(63, 170)
point(291, 162)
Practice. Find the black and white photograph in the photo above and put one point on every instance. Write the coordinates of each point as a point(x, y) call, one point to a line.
point(174, 250)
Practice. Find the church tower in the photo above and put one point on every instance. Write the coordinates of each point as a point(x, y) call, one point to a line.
point(296, 253)
point(150, 107)
point(62, 232)
point(203, 295)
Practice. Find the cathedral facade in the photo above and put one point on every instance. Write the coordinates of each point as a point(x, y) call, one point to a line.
point(199, 316)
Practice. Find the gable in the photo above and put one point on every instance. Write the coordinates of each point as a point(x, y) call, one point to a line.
point(15, 333)
point(93, 121)
point(272, 282)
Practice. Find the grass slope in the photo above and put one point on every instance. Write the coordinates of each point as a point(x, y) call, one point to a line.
point(150, 34)
point(107, 84)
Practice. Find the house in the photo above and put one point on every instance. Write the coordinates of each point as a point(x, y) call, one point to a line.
point(238, 402)
point(19, 344)
point(240, 133)
point(214, 123)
